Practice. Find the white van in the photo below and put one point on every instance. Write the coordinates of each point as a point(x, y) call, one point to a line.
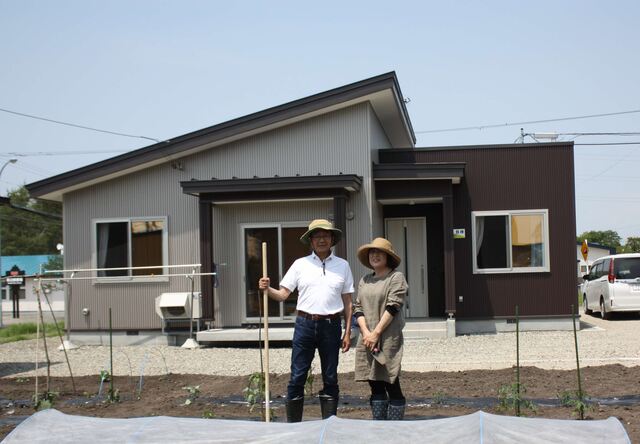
point(613, 284)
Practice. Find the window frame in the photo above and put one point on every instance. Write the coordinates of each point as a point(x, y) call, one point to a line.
point(546, 265)
point(282, 318)
point(130, 277)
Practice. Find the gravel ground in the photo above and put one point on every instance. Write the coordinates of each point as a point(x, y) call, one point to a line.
point(601, 342)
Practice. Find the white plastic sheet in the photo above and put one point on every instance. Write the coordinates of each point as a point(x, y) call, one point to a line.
point(53, 426)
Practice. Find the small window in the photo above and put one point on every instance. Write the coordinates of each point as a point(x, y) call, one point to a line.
point(510, 241)
point(126, 245)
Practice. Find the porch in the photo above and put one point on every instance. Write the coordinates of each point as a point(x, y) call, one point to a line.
point(415, 329)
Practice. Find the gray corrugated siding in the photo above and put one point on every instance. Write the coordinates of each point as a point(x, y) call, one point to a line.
point(329, 144)
point(379, 141)
point(228, 245)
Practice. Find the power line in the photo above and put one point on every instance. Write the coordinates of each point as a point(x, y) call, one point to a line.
point(59, 122)
point(60, 153)
point(502, 125)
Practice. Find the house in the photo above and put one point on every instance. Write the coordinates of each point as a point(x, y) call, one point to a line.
point(482, 229)
point(31, 265)
point(596, 251)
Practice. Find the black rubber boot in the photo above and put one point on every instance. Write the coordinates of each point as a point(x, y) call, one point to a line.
point(379, 405)
point(328, 406)
point(395, 411)
point(294, 409)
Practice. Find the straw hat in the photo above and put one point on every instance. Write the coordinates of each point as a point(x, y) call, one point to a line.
point(379, 243)
point(321, 224)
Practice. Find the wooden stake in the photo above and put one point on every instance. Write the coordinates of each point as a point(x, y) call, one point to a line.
point(265, 313)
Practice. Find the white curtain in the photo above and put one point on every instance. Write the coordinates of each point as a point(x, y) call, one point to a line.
point(479, 234)
point(103, 247)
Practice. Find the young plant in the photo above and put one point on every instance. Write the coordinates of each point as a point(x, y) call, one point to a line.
point(577, 401)
point(438, 398)
point(511, 397)
point(254, 393)
point(113, 395)
point(308, 384)
point(208, 414)
point(194, 393)
point(45, 402)
point(104, 376)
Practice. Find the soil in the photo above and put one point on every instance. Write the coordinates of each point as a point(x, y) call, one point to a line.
point(613, 390)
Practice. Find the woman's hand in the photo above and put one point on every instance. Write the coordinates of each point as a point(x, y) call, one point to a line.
point(370, 339)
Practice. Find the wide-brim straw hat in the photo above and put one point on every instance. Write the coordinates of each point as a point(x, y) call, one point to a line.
point(382, 244)
point(321, 224)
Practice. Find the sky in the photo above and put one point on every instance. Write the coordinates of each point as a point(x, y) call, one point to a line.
point(159, 69)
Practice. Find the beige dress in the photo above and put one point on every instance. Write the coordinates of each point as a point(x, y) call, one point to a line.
point(374, 294)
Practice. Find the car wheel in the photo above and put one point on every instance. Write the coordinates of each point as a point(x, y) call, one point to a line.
point(587, 310)
point(603, 311)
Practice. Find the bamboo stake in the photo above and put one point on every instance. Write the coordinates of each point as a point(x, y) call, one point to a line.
point(110, 357)
point(265, 313)
point(44, 342)
point(55, 322)
point(575, 340)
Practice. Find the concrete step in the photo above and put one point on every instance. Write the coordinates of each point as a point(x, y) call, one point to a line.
point(429, 328)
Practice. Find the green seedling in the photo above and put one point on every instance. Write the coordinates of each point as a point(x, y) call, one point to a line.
point(194, 393)
point(45, 402)
point(254, 393)
point(438, 398)
point(511, 397)
point(113, 395)
point(308, 384)
point(208, 414)
point(577, 401)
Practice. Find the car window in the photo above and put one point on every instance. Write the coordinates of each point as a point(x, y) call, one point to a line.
point(627, 268)
point(605, 268)
point(594, 270)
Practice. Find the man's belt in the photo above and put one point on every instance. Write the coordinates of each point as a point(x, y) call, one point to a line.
point(316, 317)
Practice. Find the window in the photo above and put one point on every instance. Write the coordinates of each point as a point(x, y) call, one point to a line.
point(510, 241)
point(130, 243)
point(283, 248)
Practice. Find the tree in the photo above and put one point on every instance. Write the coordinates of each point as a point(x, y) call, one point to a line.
point(608, 238)
point(632, 245)
point(25, 232)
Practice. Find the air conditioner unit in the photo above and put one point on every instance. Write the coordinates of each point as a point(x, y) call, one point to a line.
point(178, 306)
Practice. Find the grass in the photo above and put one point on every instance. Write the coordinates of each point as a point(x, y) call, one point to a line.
point(27, 330)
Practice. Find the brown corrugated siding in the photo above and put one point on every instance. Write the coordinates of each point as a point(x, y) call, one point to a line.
point(514, 177)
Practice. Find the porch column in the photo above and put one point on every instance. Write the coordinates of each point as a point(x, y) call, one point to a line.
point(449, 258)
point(206, 258)
point(340, 222)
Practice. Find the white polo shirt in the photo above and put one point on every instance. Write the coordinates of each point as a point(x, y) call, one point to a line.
point(320, 288)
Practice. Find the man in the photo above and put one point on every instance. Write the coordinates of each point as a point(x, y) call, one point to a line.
point(325, 285)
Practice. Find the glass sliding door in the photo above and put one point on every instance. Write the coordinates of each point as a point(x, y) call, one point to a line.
point(292, 249)
point(284, 247)
point(253, 239)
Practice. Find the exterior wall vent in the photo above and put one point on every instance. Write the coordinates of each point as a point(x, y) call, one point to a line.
point(178, 306)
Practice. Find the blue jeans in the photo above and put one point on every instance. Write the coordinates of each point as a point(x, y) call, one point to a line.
point(324, 335)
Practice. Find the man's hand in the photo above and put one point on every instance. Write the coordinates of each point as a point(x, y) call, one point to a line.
point(264, 283)
point(346, 341)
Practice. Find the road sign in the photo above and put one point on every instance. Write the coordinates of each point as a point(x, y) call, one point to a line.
point(585, 249)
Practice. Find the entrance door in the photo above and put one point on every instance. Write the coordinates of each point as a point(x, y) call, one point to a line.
point(409, 238)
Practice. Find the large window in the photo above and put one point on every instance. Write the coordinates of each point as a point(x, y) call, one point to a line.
point(130, 243)
point(510, 241)
point(283, 248)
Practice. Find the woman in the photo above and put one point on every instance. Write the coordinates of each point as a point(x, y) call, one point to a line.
point(378, 310)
